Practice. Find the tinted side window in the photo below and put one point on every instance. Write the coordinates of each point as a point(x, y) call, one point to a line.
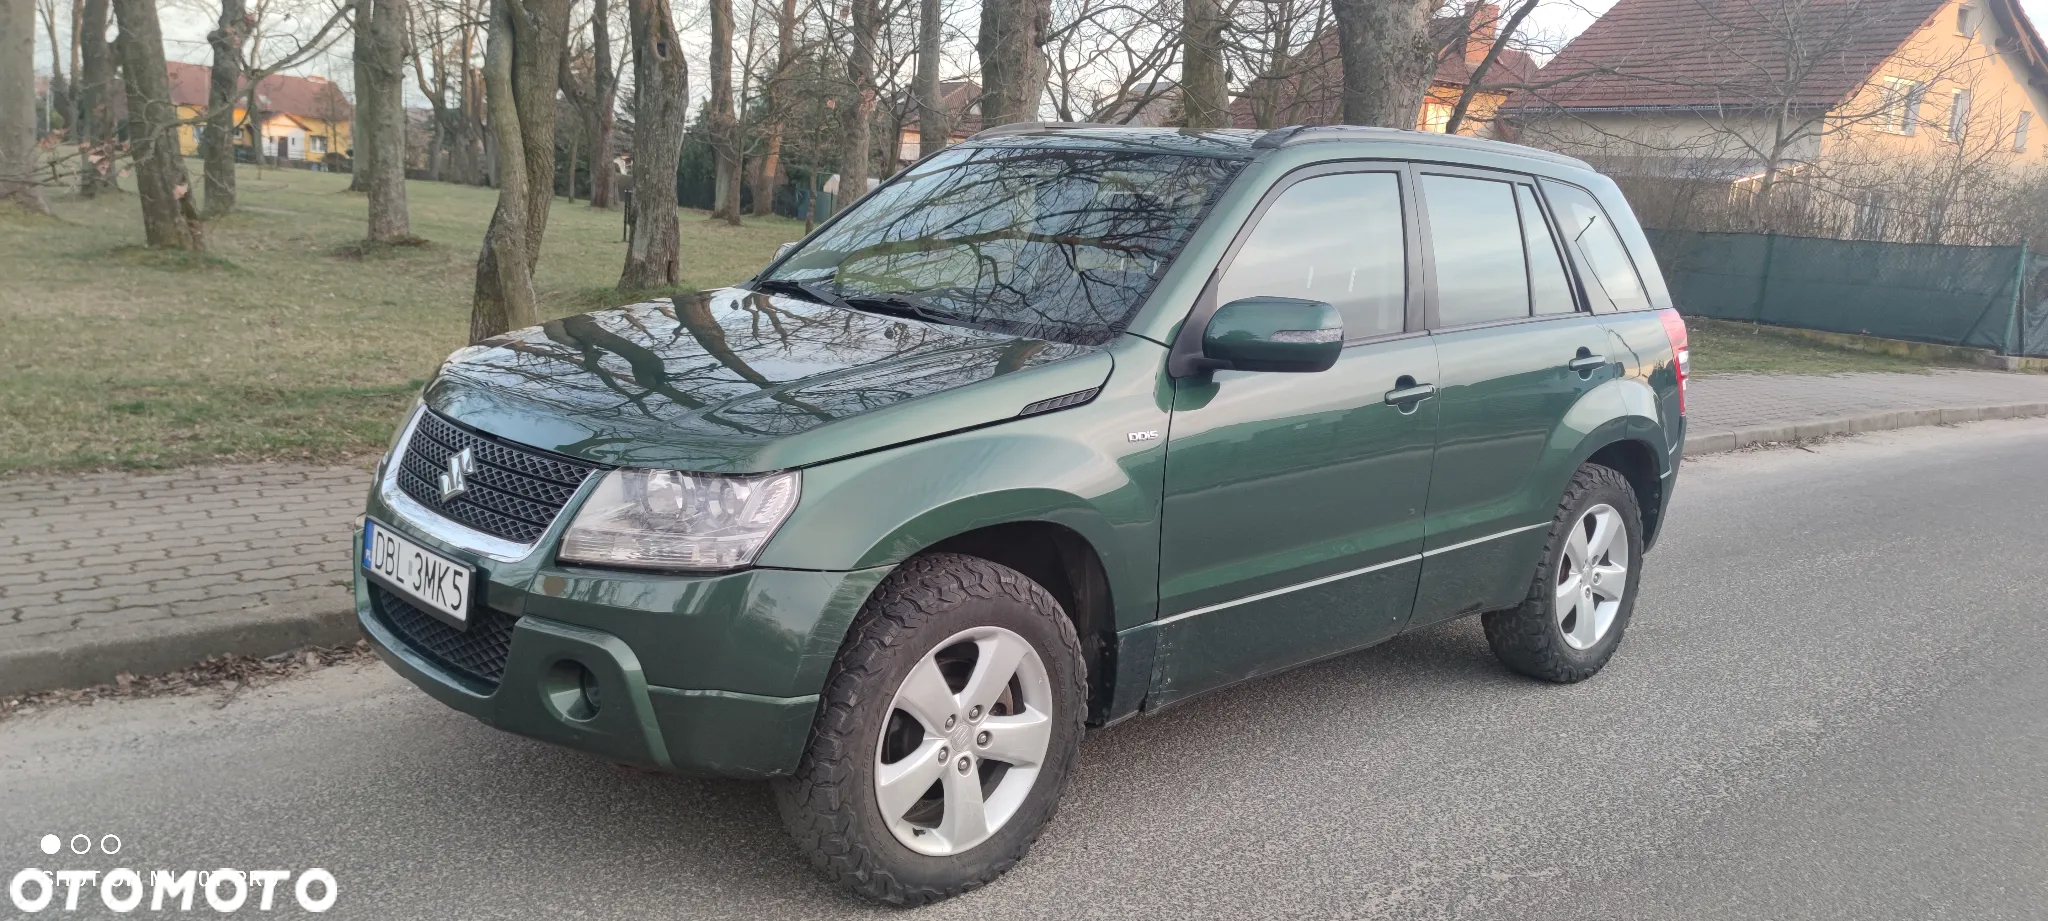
point(1550, 290)
point(1615, 285)
point(1476, 236)
point(1337, 239)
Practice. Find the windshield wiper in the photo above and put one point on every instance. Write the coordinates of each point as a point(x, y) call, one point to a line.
point(805, 289)
point(904, 305)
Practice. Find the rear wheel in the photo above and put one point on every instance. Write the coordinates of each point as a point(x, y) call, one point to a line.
point(945, 734)
point(1585, 590)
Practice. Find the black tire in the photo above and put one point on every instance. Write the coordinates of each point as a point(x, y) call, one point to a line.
point(829, 804)
point(1529, 638)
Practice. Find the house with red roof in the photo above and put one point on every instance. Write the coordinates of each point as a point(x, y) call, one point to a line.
point(296, 118)
point(1733, 90)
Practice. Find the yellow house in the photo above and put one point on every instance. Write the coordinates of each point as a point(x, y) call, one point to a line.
point(297, 118)
point(1729, 89)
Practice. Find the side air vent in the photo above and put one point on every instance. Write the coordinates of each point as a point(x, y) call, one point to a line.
point(1061, 402)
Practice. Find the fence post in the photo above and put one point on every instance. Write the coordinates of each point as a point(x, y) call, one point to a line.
point(1763, 280)
point(2019, 298)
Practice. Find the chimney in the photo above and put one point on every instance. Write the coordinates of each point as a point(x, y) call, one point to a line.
point(1485, 25)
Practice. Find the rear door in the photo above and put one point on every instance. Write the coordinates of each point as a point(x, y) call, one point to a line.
point(1516, 348)
point(1293, 502)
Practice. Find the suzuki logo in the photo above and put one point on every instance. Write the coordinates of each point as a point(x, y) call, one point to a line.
point(454, 481)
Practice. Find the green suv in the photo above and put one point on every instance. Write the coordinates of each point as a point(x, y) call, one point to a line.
point(1059, 426)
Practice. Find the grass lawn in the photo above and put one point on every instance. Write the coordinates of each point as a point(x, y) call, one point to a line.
point(1721, 346)
point(284, 341)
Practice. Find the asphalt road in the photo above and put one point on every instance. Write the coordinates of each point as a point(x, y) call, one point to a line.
point(1833, 703)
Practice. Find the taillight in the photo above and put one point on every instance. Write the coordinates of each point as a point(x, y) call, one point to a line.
point(1681, 356)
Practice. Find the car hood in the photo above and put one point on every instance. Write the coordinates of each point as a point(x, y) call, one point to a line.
point(734, 381)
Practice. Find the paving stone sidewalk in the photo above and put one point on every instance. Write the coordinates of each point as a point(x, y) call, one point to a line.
point(108, 572)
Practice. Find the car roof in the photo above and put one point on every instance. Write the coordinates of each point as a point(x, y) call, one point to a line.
point(1245, 143)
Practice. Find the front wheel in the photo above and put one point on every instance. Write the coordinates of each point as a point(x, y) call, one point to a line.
point(1584, 591)
point(945, 733)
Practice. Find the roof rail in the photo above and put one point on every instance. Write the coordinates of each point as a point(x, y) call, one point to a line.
point(1031, 127)
point(1303, 134)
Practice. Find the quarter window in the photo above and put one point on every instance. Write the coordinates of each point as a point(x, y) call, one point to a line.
point(1615, 285)
point(1550, 291)
point(1337, 239)
point(1475, 234)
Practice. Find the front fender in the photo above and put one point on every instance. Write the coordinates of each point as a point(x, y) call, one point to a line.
point(1076, 468)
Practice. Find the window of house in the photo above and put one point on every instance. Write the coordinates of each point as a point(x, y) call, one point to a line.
point(2019, 131)
point(1550, 290)
point(1901, 105)
point(1613, 284)
point(1337, 239)
point(1958, 115)
point(1966, 22)
point(1475, 235)
point(319, 143)
point(1436, 115)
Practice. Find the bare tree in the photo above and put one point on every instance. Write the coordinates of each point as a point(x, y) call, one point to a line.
point(1013, 72)
point(1502, 29)
point(1388, 55)
point(1204, 99)
point(217, 142)
point(169, 218)
point(778, 104)
point(520, 75)
point(61, 96)
point(18, 105)
point(660, 115)
point(857, 109)
point(932, 130)
point(96, 171)
point(725, 129)
point(381, 50)
point(604, 107)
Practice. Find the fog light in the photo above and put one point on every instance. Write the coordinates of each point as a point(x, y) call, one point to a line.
point(573, 690)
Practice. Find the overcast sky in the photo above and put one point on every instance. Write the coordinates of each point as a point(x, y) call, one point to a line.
point(185, 24)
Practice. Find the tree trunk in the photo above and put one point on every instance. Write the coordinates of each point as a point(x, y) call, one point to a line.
point(605, 80)
point(521, 76)
point(660, 113)
point(857, 110)
point(169, 218)
point(95, 115)
point(380, 107)
point(217, 147)
point(18, 106)
point(1012, 61)
point(770, 174)
point(1202, 93)
point(1388, 59)
point(933, 129)
point(725, 129)
point(60, 89)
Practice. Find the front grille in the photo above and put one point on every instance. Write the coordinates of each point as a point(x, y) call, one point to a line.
point(477, 653)
point(515, 493)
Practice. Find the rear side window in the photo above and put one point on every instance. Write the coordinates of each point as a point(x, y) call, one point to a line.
point(1615, 285)
point(1475, 233)
point(1337, 239)
point(1550, 290)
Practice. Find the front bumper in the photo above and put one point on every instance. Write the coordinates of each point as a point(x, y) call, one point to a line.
point(705, 674)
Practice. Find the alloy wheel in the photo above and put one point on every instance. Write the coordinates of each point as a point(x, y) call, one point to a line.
point(1592, 577)
point(963, 742)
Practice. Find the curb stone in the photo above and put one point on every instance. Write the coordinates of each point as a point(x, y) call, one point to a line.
point(82, 658)
point(1717, 441)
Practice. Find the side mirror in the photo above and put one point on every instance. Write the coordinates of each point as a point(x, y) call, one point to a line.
point(1273, 334)
point(784, 249)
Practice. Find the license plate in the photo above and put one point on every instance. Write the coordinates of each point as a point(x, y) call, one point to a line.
point(438, 585)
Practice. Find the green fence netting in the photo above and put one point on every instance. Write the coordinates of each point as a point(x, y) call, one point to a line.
point(1953, 295)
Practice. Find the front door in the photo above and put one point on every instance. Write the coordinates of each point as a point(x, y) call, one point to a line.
point(1517, 351)
point(1294, 502)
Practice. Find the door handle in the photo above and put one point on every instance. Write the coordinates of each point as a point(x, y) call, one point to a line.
point(1587, 364)
point(1411, 394)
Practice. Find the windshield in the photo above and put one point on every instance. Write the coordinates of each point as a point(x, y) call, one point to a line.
point(1059, 244)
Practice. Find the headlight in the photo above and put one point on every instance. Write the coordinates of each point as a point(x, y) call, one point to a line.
point(664, 519)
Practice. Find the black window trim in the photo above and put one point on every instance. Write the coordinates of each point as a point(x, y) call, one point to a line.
point(1187, 344)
